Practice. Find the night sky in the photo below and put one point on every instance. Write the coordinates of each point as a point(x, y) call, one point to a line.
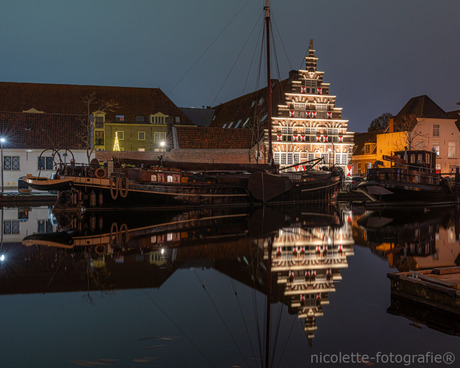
point(376, 54)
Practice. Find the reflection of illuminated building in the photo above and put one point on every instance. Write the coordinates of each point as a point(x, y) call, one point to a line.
point(413, 240)
point(307, 261)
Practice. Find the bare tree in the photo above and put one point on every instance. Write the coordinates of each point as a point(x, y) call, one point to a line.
point(94, 106)
point(409, 125)
point(257, 129)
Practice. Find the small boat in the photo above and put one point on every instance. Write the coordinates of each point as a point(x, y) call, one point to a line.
point(411, 180)
point(437, 288)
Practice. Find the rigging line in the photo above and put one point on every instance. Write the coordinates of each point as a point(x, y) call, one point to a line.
point(234, 63)
point(255, 308)
point(253, 56)
point(280, 91)
point(221, 317)
point(209, 46)
point(178, 327)
point(294, 319)
point(281, 40)
point(303, 60)
point(244, 320)
point(272, 359)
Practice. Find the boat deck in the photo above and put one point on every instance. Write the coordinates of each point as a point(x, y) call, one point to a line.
point(439, 287)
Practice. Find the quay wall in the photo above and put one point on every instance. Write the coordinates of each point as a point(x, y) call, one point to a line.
point(239, 156)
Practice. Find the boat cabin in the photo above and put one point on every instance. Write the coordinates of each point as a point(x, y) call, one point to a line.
point(419, 159)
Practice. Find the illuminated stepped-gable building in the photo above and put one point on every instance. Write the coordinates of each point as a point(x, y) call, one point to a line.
point(307, 260)
point(308, 125)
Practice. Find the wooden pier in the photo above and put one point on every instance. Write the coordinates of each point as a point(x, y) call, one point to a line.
point(436, 288)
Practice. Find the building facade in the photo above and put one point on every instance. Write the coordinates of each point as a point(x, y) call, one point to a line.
point(420, 125)
point(308, 125)
point(34, 143)
point(138, 118)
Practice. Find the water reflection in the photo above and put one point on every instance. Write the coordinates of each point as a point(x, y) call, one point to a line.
point(412, 240)
point(293, 256)
point(173, 288)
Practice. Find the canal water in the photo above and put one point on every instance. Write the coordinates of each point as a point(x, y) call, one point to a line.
point(266, 287)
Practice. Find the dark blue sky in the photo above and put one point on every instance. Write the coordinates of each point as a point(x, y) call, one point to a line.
point(376, 54)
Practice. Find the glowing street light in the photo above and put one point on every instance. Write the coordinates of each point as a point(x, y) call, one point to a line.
point(2, 140)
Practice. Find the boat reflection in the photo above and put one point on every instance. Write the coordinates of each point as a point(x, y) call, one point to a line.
point(302, 250)
point(412, 240)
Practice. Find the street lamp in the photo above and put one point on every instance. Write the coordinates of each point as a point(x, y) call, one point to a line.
point(2, 140)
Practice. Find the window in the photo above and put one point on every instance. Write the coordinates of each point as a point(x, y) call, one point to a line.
point(45, 163)
point(177, 119)
point(44, 226)
point(436, 130)
point(311, 156)
point(436, 148)
point(98, 137)
point(120, 135)
point(11, 162)
point(325, 157)
point(341, 159)
point(141, 136)
point(286, 158)
point(140, 118)
point(451, 150)
point(159, 136)
point(158, 119)
point(119, 118)
point(141, 149)
point(99, 122)
point(11, 227)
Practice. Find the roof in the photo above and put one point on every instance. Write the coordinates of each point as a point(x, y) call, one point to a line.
point(360, 139)
point(201, 117)
point(41, 131)
point(422, 107)
point(68, 99)
point(241, 111)
point(214, 138)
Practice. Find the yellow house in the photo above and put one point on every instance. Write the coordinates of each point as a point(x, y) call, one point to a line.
point(124, 136)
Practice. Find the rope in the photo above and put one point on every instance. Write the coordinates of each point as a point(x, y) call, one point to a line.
point(207, 48)
point(233, 65)
point(178, 327)
point(244, 320)
point(221, 317)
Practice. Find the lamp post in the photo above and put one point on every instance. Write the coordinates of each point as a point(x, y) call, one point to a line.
point(2, 140)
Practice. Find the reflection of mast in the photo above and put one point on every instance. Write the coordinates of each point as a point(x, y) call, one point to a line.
point(307, 261)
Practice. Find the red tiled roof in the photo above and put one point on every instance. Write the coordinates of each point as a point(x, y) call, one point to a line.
point(68, 99)
point(37, 131)
point(214, 138)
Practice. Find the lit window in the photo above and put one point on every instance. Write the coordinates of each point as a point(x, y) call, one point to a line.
point(119, 118)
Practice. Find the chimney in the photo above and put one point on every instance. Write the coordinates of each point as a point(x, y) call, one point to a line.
point(391, 125)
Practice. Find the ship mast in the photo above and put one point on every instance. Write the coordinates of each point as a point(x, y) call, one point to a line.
point(269, 84)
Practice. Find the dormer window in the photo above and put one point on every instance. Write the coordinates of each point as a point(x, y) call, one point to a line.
point(158, 119)
point(99, 119)
point(119, 118)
